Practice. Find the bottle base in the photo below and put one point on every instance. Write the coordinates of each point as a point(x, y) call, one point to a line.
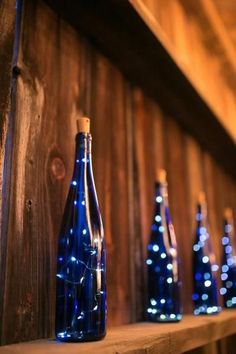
point(165, 318)
point(229, 304)
point(78, 337)
point(210, 310)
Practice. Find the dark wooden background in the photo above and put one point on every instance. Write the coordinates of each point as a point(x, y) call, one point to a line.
point(58, 76)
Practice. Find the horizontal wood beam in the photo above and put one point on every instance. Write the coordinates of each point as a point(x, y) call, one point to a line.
point(192, 332)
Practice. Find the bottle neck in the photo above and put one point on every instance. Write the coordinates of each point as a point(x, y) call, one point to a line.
point(228, 228)
point(162, 191)
point(201, 216)
point(83, 145)
point(83, 159)
point(162, 204)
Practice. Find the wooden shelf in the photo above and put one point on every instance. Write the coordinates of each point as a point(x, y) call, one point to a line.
point(192, 332)
point(126, 34)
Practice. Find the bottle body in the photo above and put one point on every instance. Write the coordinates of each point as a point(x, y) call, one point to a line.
point(81, 261)
point(205, 297)
point(228, 266)
point(164, 286)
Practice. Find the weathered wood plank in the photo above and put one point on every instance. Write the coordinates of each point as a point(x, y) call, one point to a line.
point(175, 338)
point(7, 39)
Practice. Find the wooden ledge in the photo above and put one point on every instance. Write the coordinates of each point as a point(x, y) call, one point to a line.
point(176, 338)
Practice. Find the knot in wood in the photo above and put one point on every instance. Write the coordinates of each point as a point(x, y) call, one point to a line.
point(57, 168)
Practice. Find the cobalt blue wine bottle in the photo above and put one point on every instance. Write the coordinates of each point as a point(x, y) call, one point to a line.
point(204, 266)
point(228, 268)
point(164, 303)
point(81, 261)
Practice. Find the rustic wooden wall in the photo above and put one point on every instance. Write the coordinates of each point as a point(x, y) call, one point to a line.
point(61, 76)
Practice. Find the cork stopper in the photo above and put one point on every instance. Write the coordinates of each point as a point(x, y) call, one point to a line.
point(201, 197)
point(161, 175)
point(83, 125)
point(228, 213)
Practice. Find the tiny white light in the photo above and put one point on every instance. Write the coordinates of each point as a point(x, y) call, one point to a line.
point(209, 310)
point(203, 238)
point(204, 297)
point(196, 247)
point(228, 249)
point(59, 276)
point(149, 261)
point(73, 259)
point(228, 228)
point(163, 255)
point(83, 159)
point(230, 261)
point(205, 259)
point(225, 268)
point(223, 291)
point(83, 202)
point(154, 311)
point(162, 301)
point(198, 217)
point(77, 160)
point(158, 218)
point(162, 317)
point(169, 280)
point(161, 228)
point(224, 276)
point(229, 284)
point(225, 241)
point(207, 283)
point(207, 276)
point(153, 302)
point(215, 309)
point(169, 266)
point(84, 232)
point(71, 231)
point(172, 315)
point(149, 310)
point(202, 230)
point(155, 248)
point(74, 183)
point(159, 199)
point(234, 300)
point(75, 202)
point(214, 267)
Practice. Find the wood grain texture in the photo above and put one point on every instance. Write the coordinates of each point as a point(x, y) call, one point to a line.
point(195, 35)
point(193, 332)
point(7, 38)
point(133, 134)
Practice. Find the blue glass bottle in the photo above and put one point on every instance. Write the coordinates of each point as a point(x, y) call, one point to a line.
point(164, 302)
point(228, 267)
point(205, 297)
point(81, 279)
